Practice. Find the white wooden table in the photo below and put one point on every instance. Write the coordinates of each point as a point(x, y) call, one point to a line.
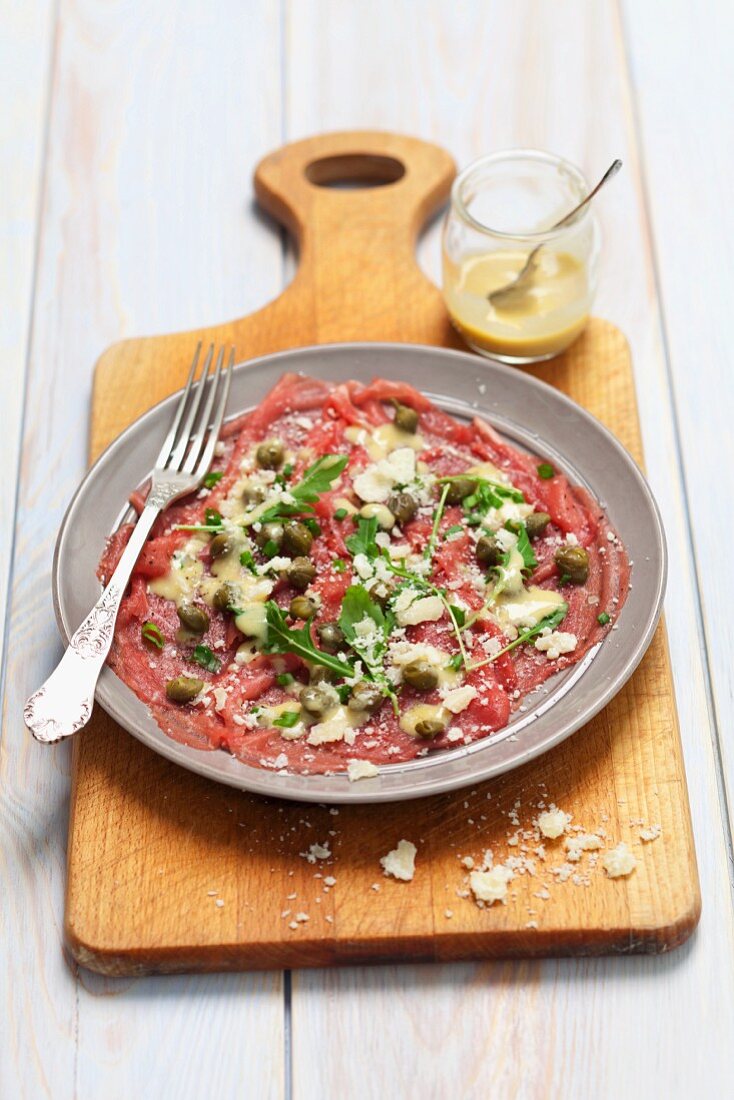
point(128, 133)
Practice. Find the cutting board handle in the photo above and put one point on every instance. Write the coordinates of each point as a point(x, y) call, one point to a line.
point(355, 202)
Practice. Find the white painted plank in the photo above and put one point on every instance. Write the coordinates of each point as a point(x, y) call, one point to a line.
point(685, 101)
point(24, 72)
point(477, 77)
point(158, 114)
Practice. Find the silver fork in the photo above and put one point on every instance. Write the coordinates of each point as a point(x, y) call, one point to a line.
point(64, 703)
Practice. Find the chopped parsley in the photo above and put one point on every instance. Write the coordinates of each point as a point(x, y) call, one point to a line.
point(152, 634)
point(338, 565)
point(546, 471)
point(340, 514)
point(456, 529)
point(604, 618)
point(203, 656)
point(284, 680)
point(212, 478)
point(287, 719)
point(247, 560)
point(212, 518)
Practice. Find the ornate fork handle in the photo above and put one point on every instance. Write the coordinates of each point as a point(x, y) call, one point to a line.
point(63, 704)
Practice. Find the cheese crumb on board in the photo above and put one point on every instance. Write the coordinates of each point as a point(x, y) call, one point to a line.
point(361, 769)
point(400, 862)
point(619, 861)
point(651, 833)
point(491, 886)
point(553, 822)
point(579, 843)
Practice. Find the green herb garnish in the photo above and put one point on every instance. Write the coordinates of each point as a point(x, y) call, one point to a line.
point(316, 480)
point(603, 619)
point(524, 546)
point(550, 622)
point(546, 471)
point(357, 606)
point(458, 613)
point(340, 514)
point(287, 719)
point(363, 539)
point(437, 516)
point(247, 560)
point(338, 565)
point(565, 578)
point(212, 478)
point(151, 633)
point(455, 662)
point(270, 549)
point(204, 657)
point(284, 680)
point(456, 529)
point(282, 638)
point(212, 518)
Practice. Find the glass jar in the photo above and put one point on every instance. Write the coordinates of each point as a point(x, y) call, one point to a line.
point(502, 207)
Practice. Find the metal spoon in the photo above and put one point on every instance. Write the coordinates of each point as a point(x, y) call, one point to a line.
point(504, 293)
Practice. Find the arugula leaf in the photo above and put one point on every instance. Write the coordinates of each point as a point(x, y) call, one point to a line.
point(454, 530)
point(487, 494)
point(363, 539)
point(437, 516)
point(247, 559)
point(282, 638)
point(204, 657)
point(551, 621)
point(458, 613)
point(524, 545)
point(287, 719)
point(455, 662)
point(212, 518)
point(340, 514)
point(358, 605)
point(316, 480)
point(151, 633)
point(284, 679)
point(338, 565)
point(212, 478)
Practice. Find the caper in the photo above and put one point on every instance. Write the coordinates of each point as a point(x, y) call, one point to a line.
point(573, 563)
point(226, 596)
point(301, 573)
point(420, 675)
point(183, 689)
point(297, 539)
point(220, 544)
point(536, 523)
point(318, 699)
point(302, 607)
point(331, 637)
point(428, 728)
point(270, 454)
point(365, 698)
point(405, 418)
point(488, 551)
point(403, 506)
point(459, 488)
point(193, 618)
point(270, 532)
point(321, 675)
point(253, 494)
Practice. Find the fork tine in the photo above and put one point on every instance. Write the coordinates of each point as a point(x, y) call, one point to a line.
point(208, 452)
point(168, 444)
point(202, 421)
point(182, 439)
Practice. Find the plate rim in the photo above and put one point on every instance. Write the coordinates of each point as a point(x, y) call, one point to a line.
point(265, 781)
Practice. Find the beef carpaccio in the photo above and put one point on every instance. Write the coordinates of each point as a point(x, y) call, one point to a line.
point(361, 580)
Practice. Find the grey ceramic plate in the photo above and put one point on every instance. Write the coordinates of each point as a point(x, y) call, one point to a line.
point(532, 415)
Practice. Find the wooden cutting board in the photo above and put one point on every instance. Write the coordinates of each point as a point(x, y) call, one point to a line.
point(169, 872)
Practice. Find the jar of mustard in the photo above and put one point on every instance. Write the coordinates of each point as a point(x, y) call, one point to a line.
point(502, 207)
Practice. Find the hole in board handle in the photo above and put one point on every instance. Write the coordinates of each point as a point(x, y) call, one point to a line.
point(354, 171)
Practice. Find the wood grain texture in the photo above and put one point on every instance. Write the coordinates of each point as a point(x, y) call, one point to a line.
point(138, 822)
point(480, 77)
point(127, 218)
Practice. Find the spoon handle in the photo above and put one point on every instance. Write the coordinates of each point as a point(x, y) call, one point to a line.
point(610, 172)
